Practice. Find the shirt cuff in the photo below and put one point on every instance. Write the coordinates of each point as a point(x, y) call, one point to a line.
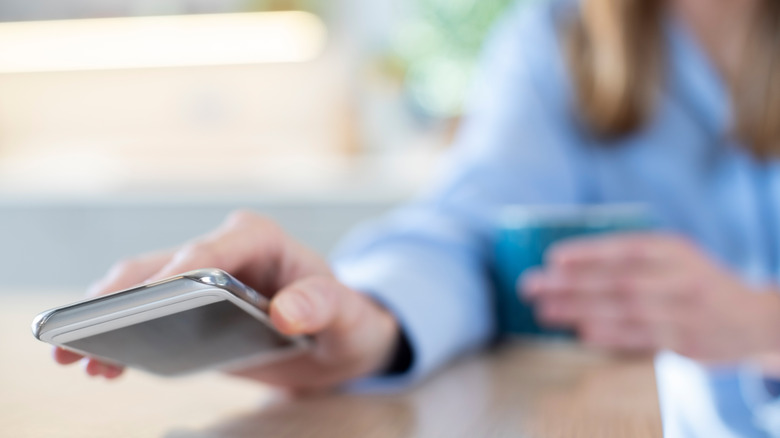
point(424, 289)
point(762, 396)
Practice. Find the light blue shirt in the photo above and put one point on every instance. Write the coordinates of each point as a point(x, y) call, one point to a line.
point(522, 143)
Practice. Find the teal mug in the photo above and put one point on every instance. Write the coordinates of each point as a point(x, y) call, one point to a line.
point(524, 235)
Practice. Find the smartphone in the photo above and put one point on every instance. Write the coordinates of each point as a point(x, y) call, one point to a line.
point(200, 320)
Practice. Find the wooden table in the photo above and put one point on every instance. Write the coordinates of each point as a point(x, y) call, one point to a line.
point(520, 390)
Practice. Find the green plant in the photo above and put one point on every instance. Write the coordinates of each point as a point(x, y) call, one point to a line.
point(436, 50)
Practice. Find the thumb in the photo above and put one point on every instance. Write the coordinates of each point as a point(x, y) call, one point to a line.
point(312, 305)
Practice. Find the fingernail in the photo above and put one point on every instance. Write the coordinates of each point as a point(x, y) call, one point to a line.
point(95, 368)
point(529, 284)
point(293, 310)
point(111, 371)
point(556, 282)
point(89, 366)
point(102, 369)
point(563, 258)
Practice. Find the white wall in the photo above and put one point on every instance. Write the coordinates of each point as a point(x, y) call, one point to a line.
point(67, 245)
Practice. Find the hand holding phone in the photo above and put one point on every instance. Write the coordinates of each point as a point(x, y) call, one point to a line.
point(352, 335)
point(195, 321)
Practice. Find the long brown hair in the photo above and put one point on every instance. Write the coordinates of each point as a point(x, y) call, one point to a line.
point(615, 51)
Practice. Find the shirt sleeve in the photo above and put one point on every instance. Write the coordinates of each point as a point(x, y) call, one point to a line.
point(429, 261)
point(767, 416)
point(762, 395)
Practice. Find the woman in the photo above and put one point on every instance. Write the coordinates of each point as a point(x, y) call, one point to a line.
point(675, 104)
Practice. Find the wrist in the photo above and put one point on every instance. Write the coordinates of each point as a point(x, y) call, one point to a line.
point(386, 341)
point(766, 315)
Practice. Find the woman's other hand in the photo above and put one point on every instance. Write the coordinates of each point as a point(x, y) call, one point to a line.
point(644, 292)
point(354, 336)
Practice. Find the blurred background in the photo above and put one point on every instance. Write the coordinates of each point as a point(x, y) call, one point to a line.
point(133, 125)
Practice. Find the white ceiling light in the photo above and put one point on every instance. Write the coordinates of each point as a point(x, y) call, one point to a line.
point(168, 41)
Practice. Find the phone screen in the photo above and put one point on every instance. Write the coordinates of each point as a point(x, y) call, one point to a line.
point(186, 341)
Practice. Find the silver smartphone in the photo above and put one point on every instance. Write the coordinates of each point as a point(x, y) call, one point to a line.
point(196, 321)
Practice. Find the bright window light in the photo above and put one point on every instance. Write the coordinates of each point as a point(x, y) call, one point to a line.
point(169, 41)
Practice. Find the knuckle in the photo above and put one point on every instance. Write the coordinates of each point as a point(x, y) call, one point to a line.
point(642, 342)
point(688, 349)
point(681, 244)
point(321, 287)
point(688, 346)
point(124, 267)
point(692, 288)
point(315, 295)
point(695, 285)
point(243, 218)
point(555, 253)
point(626, 288)
point(637, 250)
point(305, 296)
point(590, 333)
point(634, 248)
point(198, 251)
point(252, 224)
point(535, 283)
point(196, 248)
point(239, 217)
point(637, 315)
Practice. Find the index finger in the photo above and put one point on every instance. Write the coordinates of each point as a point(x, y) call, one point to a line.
point(619, 249)
point(252, 248)
point(122, 275)
point(130, 272)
